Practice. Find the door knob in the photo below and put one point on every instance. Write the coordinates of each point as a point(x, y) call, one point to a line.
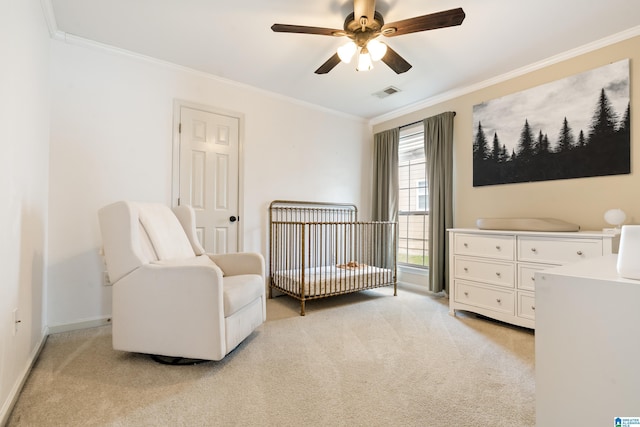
point(232, 218)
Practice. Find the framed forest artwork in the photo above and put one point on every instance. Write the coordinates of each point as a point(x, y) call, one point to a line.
point(575, 127)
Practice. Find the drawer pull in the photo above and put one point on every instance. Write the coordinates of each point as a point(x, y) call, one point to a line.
point(579, 253)
point(498, 274)
point(498, 247)
point(534, 250)
point(533, 278)
point(466, 245)
point(533, 307)
point(466, 270)
point(498, 300)
point(466, 294)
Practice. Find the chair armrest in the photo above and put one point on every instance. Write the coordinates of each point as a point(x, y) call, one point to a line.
point(160, 281)
point(170, 309)
point(239, 263)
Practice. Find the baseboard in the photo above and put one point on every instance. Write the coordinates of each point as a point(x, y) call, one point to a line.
point(412, 287)
point(419, 289)
point(413, 275)
point(8, 405)
point(81, 324)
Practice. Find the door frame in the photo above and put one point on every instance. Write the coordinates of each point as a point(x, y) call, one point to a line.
point(175, 173)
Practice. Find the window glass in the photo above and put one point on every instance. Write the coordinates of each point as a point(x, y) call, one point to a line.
point(414, 198)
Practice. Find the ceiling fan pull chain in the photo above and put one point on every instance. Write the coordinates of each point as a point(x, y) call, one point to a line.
point(363, 23)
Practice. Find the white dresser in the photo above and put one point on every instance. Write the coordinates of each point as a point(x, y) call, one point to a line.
point(491, 272)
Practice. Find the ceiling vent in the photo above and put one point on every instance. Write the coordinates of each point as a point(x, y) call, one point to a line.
point(386, 92)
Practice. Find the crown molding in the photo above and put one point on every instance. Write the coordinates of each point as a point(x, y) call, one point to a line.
point(50, 18)
point(455, 93)
point(49, 15)
point(92, 44)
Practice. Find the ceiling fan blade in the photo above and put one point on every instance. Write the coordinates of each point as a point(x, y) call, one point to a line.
point(447, 18)
point(328, 66)
point(396, 62)
point(301, 29)
point(366, 8)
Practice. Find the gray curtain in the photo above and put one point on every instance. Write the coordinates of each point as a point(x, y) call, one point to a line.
point(385, 194)
point(385, 175)
point(438, 148)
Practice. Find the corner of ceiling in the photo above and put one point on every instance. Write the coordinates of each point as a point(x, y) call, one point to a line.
point(50, 18)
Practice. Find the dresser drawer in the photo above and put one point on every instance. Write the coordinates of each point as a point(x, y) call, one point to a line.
point(486, 246)
point(496, 273)
point(526, 305)
point(526, 275)
point(484, 297)
point(554, 251)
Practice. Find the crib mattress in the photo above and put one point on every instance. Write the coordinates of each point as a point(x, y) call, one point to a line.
point(327, 280)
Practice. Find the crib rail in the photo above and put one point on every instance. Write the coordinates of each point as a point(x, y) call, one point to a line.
point(320, 249)
point(287, 210)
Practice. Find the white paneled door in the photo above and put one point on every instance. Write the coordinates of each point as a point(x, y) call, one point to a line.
point(209, 176)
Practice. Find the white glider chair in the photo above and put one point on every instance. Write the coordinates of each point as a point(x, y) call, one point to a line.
point(170, 298)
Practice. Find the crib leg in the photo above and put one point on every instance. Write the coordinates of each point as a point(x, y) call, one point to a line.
point(302, 308)
point(395, 289)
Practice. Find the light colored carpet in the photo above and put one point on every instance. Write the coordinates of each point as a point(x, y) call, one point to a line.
point(366, 359)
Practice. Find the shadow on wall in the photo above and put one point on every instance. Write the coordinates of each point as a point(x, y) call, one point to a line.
point(75, 290)
point(31, 283)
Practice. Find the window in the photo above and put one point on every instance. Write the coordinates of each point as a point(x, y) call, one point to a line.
point(413, 233)
point(421, 194)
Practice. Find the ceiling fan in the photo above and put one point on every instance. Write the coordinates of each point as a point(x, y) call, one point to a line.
point(363, 27)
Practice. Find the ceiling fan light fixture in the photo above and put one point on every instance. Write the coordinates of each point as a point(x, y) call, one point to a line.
point(365, 24)
point(364, 60)
point(376, 49)
point(346, 52)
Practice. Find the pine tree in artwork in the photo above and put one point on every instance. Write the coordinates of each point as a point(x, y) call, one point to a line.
point(603, 123)
point(547, 147)
point(525, 143)
point(539, 145)
point(565, 139)
point(625, 123)
point(504, 155)
point(482, 173)
point(581, 139)
point(480, 145)
point(623, 142)
point(495, 150)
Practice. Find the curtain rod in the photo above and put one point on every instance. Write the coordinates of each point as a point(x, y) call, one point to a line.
point(419, 121)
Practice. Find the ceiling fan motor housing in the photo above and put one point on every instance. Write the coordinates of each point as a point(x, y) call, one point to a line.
point(360, 35)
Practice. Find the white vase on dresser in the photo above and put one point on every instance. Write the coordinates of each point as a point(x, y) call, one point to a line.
point(492, 272)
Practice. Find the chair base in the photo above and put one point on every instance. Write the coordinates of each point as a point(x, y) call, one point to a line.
point(176, 361)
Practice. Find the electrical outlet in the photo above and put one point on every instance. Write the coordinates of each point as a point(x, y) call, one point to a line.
point(106, 281)
point(16, 321)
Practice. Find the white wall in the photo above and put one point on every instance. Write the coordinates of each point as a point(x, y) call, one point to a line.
point(24, 140)
point(111, 139)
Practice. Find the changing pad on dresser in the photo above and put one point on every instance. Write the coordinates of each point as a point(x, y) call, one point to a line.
point(526, 224)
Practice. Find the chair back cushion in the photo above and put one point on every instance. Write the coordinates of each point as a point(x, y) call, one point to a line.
point(165, 232)
point(134, 234)
point(187, 217)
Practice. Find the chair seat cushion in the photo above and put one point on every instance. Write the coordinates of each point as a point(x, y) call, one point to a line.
point(241, 290)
